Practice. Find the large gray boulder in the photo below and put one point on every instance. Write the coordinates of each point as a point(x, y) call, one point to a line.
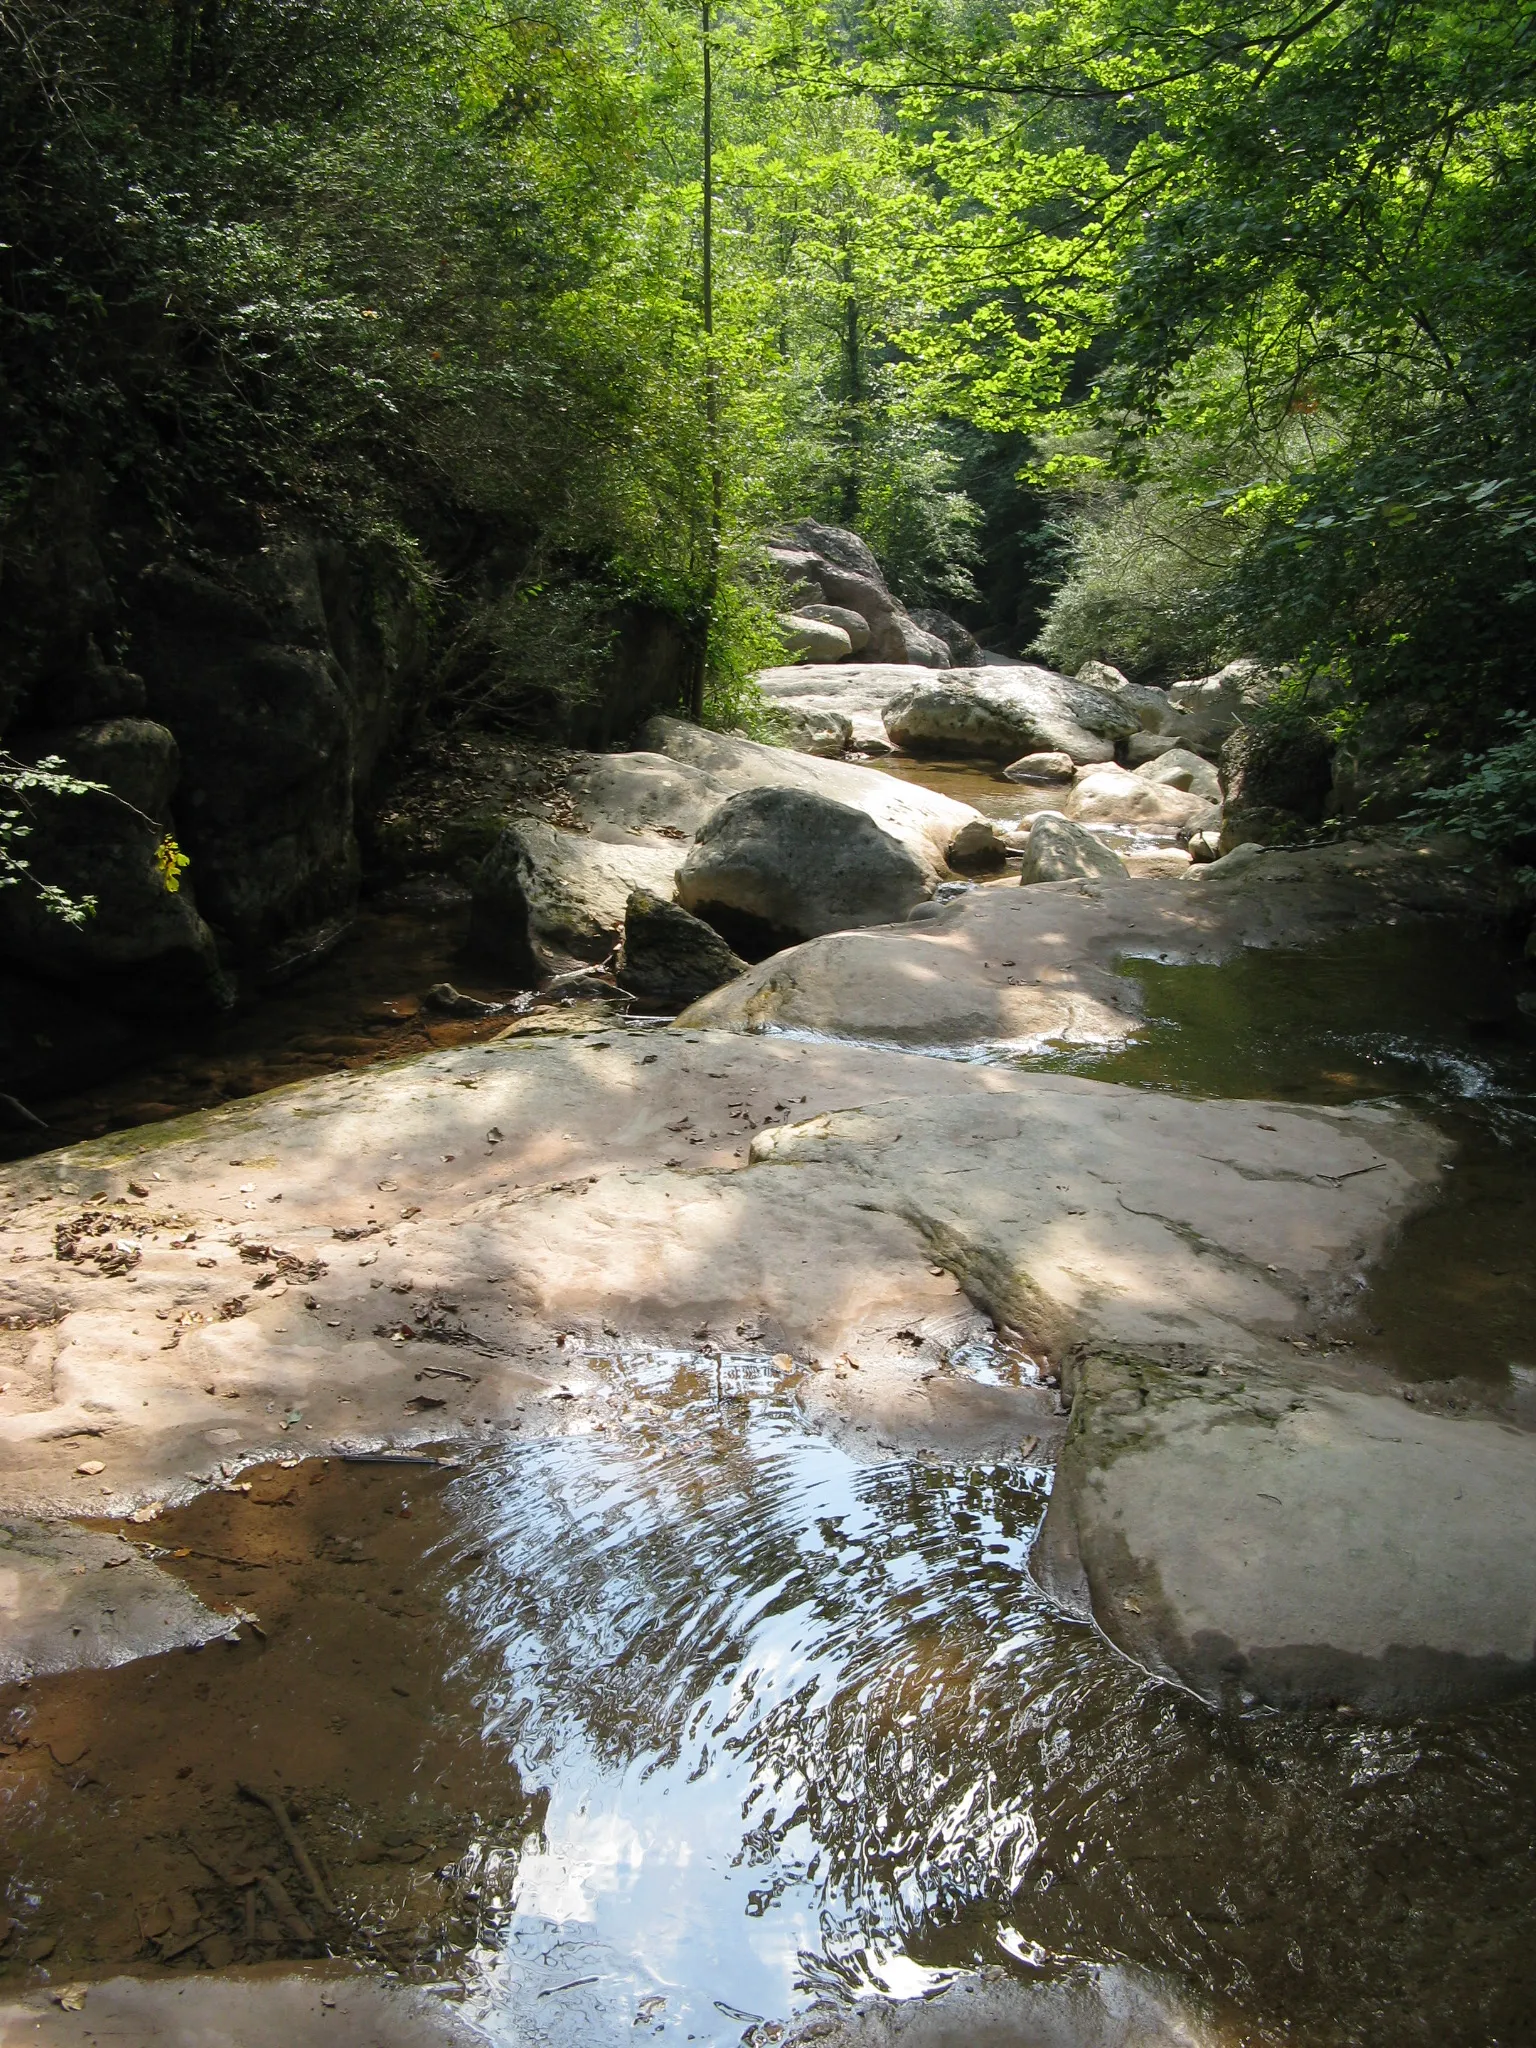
point(1110, 795)
point(775, 866)
point(922, 820)
point(1275, 780)
point(832, 566)
point(1178, 768)
point(854, 624)
point(1060, 851)
point(964, 648)
point(544, 897)
point(670, 958)
point(999, 714)
point(1203, 713)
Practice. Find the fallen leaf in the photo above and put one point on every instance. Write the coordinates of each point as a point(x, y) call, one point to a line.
point(91, 1467)
point(72, 1996)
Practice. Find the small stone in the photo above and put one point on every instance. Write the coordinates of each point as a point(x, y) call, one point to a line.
point(1051, 767)
point(90, 1468)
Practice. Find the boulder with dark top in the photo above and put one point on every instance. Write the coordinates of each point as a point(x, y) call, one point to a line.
point(670, 958)
point(999, 714)
point(544, 897)
point(717, 764)
point(774, 866)
point(964, 649)
point(1275, 780)
point(1060, 851)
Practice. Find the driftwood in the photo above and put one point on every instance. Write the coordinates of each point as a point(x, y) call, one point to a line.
point(290, 1834)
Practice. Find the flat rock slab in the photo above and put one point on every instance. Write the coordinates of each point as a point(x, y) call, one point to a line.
point(72, 1598)
point(253, 2008)
point(1260, 1537)
point(856, 690)
point(1028, 966)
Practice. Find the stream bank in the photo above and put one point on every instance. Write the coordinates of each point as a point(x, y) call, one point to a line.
point(742, 1349)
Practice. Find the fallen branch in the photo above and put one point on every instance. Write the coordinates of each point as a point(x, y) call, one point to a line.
point(290, 1834)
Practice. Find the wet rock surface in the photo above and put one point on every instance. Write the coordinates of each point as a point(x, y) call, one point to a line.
point(1032, 964)
point(72, 1598)
point(741, 1347)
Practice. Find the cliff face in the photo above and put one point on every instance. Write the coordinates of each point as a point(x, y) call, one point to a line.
point(251, 691)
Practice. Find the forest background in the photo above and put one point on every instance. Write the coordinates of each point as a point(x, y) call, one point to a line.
point(1146, 330)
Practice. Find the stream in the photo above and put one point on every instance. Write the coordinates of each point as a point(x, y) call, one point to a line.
point(689, 1722)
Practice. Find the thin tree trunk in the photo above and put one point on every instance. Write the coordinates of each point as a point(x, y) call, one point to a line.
point(711, 376)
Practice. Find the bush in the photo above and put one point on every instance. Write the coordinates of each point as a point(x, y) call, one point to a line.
point(1142, 589)
point(1495, 800)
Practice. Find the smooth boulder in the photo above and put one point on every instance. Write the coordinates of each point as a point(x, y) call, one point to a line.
point(1177, 768)
point(669, 957)
point(921, 819)
point(776, 866)
point(1041, 768)
point(544, 896)
point(1058, 850)
point(999, 714)
point(853, 623)
point(1113, 796)
point(813, 639)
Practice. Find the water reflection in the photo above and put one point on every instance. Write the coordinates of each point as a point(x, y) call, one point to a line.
point(806, 1730)
point(773, 1690)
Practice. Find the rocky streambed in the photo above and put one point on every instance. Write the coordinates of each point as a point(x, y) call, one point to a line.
point(928, 1499)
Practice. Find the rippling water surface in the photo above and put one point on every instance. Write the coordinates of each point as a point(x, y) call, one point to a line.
point(807, 1731)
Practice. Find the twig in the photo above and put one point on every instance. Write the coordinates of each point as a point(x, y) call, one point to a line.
point(290, 1834)
point(283, 1906)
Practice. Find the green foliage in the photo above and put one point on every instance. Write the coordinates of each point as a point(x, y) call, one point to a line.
point(1141, 589)
point(1495, 800)
point(47, 777)
point(1280, 255)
